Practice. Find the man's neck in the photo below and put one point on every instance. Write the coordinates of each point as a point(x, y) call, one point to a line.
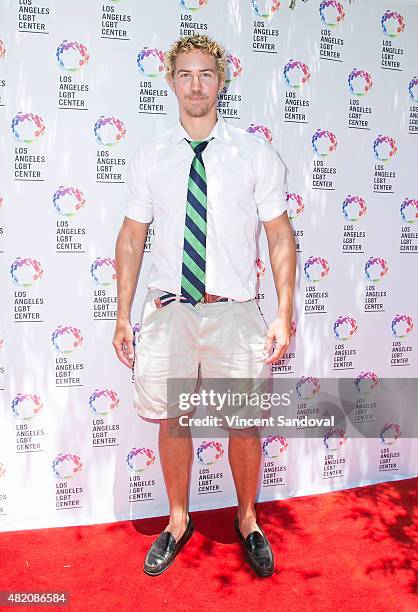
point(198, 128)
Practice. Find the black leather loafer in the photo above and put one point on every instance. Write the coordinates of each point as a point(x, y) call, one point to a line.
point(258, 551)
point(164, 550)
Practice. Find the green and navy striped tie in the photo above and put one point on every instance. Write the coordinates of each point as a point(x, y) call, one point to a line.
point(194, 248)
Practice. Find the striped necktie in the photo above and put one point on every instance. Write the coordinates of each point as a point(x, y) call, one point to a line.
point(194, 248)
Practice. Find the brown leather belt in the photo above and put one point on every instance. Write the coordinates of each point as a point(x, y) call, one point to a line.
point(209, 298)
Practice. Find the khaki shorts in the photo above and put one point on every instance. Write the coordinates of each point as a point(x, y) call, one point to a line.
point(223, 340)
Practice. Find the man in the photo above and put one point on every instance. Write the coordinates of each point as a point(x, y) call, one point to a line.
point(205, 184)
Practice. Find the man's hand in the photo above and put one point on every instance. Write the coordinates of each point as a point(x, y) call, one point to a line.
point(128, 259)
point(123, 343)
point(280, 333)
point(282, 251)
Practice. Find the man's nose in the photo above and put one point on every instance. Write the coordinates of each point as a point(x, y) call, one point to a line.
point(196, 83)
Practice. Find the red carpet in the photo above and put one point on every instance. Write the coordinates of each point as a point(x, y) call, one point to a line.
point(352, 550)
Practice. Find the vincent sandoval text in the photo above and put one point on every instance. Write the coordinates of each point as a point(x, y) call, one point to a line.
point(237, 421)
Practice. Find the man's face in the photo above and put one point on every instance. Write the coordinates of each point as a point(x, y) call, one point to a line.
point(196, 83)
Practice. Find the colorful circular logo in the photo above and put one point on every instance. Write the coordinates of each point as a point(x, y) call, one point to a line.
point(375, 269)
point(307, 387)
point(209, 452)
point(66, 465)
point(260, 267)
point(27, 127)
point(265, 9)
point(384, 148)
point(331, 12)
point(2, 470)
point(334, 439)
point(413, 90)
point(315, 268)
point(151, 62)
point(324, 143)
point(366, 382)
point(103, 271)
point(2, 50)
point(68, 201)
point(360, 82)
point(402, 325)
point(26, 405)
point(389, 433)
point(274, 446)
point(233, 68)
point(345, 328)
point(103, 401)
point(392, 23)
point(295, 205)
point(26, 272)
point(192, 5)
point(296, 74)
point(66, 339)
point(109, 131)
point(72, 56)
point(140, 459)
point(409, 210)
point(262, 130)
point(354, 208)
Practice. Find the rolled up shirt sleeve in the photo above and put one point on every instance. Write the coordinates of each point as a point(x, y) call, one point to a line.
point(270, 189)
point(138, 196)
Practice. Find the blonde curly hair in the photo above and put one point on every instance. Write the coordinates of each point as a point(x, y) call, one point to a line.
point(199, 42)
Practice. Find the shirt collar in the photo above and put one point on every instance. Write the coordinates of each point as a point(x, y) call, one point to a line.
point(219, 132)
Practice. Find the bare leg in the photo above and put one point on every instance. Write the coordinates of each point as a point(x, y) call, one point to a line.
point(176, 455)
point(245, 460)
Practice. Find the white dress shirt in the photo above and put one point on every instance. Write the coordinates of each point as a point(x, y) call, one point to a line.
point(245, 183)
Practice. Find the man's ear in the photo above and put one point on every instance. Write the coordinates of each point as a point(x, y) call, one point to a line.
point(221, 85)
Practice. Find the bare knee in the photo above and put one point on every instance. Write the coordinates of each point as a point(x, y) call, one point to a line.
point(177, 427)
point(247, 436)
point(247, 432)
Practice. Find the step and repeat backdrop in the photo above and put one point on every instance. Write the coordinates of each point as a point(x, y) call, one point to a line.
point(333, 85)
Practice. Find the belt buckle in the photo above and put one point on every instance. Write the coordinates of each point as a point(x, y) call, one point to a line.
point(210, 298)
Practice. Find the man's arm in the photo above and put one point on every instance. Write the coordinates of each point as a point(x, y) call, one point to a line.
point(282, 251)
point(128, 259)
